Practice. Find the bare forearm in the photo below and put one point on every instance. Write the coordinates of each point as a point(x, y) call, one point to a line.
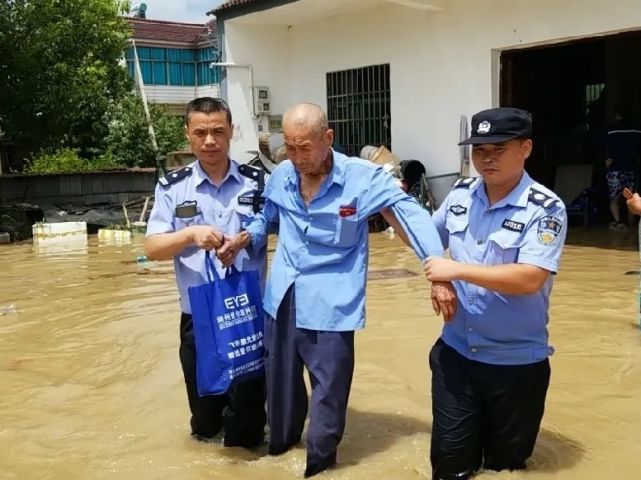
point(513, 279)
point(164, 246)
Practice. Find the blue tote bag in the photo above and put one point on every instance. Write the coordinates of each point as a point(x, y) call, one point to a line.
point(228, 323)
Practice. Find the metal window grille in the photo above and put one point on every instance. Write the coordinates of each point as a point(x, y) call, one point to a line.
point(358, 107)
point(593, 92)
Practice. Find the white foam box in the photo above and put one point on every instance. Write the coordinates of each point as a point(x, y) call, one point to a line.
point(107, 235)
point(50, 231)
point(77, 245)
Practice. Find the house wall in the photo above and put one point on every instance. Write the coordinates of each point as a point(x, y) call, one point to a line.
point(443, 64)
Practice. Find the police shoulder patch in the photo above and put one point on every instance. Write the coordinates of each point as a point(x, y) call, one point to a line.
point(253, 173)
point(465, 182)
point(541, 198)
point(251, 198)
point(175, 176)
point(548, 230)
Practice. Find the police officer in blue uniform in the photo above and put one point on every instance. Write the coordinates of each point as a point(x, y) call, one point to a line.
point(195, 209)
point(490, 369)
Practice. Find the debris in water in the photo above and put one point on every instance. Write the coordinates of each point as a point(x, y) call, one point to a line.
point(7, 309)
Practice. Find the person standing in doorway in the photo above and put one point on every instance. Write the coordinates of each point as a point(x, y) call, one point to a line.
point(623, 149)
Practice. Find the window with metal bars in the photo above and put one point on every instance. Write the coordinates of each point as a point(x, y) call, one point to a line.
point(174, 66)
point(358, 107)
point(593, 92)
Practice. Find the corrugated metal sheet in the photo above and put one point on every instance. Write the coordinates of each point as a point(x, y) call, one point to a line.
point(208, 91)
point(172, 32)
point(179, 95)
point(170, 94)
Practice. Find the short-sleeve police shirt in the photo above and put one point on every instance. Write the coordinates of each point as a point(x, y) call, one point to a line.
point(529, 226)
point(188, 197)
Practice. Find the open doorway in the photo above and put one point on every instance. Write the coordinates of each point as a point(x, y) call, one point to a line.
point(573, 90)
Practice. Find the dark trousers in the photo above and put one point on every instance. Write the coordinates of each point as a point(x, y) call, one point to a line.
point(241, 411)
point(484, 415)
point(329, 359)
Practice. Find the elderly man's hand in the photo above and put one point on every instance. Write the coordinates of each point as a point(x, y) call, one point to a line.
point(205, 237)
point(444, 299)
point(229, 249)
point(438, 269)
point(633, 201)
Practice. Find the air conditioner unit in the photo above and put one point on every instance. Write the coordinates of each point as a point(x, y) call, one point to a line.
point(262, 99)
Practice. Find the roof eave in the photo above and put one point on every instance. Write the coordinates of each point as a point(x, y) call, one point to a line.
point(231, 11)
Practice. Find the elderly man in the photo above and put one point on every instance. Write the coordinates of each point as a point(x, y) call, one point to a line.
point(319, 201)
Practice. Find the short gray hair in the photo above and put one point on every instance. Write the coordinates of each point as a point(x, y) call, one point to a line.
point(307, 115)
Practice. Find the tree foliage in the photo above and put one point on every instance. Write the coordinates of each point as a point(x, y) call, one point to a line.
point(60, 71)
point(128, 139)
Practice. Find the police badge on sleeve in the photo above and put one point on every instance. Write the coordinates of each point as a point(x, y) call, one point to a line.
point(548, 230)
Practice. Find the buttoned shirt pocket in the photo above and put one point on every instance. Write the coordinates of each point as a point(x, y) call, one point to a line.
point(346, 231)
point(184, 222)
point(457, 228)
point(504, 246)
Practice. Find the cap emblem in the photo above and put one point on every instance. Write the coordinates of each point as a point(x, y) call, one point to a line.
point(484, 127)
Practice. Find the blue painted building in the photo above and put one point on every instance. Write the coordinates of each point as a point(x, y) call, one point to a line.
point(175, 60)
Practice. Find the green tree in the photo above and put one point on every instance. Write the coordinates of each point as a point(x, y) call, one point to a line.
point(128, 139)
point(60, 70)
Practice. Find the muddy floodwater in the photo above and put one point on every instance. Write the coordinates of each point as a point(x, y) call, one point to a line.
point(91, 386)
